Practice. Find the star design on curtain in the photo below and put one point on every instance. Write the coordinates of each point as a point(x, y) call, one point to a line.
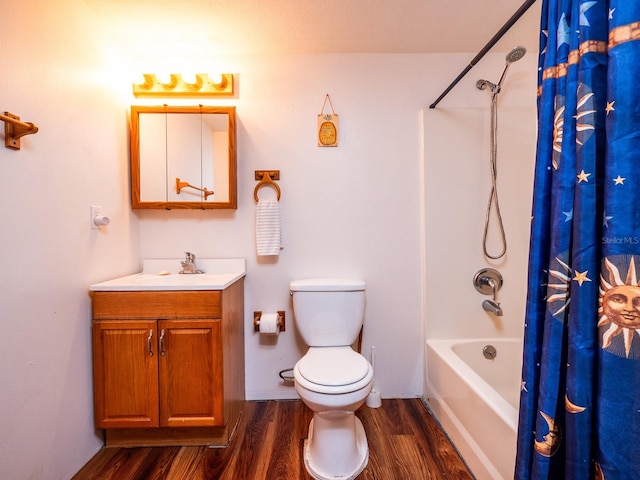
point(610, 107)
point(619, 180)
point(583, 176)
point(546, 40)
point(583, 9)
point(563, 31)
point(581, 277)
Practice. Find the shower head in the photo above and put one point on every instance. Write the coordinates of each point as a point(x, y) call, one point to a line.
point(515, 54)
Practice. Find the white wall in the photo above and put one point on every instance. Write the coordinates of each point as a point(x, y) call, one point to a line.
point(347, 211)
point(52, 75)
point(351, 210)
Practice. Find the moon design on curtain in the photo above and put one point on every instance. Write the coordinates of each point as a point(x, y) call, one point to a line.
point(552, 440)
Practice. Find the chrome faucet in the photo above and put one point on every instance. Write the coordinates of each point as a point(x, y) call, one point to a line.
point(189, 264)
point(492, 306)
point(488, 281)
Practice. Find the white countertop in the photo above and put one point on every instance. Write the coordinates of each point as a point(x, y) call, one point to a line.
point(162, 274)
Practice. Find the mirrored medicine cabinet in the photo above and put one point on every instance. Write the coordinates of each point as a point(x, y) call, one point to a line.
point(183, 157)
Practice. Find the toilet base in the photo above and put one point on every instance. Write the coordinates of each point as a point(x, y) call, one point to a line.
point(359, 460)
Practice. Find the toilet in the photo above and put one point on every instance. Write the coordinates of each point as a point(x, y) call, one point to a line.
point(332, 379)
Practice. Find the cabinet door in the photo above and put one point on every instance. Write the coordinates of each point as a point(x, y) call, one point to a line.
point(125, 372)
point(191, 383)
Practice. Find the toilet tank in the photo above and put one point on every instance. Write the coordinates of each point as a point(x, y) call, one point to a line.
point(328, 311)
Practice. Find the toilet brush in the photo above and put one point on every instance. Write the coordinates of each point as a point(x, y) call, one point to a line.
point(374, 400)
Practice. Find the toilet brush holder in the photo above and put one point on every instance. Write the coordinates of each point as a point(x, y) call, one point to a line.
point(374, 400)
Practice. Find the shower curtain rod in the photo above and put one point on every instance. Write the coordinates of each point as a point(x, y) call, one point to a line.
point(514, 18)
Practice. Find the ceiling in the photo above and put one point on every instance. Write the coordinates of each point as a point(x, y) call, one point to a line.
point(320, 26)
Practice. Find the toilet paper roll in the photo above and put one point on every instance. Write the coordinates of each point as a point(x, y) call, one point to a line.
point(269, 324)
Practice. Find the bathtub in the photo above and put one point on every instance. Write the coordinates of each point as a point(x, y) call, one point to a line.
point(476, 400)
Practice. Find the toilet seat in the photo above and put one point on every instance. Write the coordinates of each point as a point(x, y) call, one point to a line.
point(333, 370)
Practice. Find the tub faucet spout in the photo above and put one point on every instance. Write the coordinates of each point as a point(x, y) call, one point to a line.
point(492, 307)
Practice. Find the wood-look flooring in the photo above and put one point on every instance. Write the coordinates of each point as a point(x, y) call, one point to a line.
point(405, 443)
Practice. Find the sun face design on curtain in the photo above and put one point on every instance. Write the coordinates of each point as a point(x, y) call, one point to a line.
point(558, 287)
point(586, 115)
point(585, 118)
point(619, 307)
point(558, 131)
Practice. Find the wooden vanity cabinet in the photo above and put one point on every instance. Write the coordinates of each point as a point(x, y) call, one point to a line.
point(125, 376)
point(168, 365)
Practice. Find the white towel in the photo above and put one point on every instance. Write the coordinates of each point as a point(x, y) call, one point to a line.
point(268, 229)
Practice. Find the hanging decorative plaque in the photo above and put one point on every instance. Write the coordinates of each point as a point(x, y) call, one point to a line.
point(327, 126)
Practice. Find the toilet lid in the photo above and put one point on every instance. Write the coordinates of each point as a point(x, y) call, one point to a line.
point(333, 366)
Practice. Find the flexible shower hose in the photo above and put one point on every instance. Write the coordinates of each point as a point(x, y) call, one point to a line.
point(493, 196)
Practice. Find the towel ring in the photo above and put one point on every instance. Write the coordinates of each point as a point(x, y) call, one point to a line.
point(266, 178)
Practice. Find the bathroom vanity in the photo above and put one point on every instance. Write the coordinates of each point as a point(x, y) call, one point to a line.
point(168, 356)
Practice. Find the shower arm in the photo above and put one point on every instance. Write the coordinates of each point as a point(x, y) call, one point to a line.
point(514, 18)
point(504, 74)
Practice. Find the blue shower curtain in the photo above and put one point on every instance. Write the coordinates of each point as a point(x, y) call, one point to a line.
point(580, 391)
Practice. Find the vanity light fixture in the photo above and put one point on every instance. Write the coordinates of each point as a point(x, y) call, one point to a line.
point(204, 86)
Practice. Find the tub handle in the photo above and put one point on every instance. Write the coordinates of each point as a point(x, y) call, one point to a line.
point(488, 281)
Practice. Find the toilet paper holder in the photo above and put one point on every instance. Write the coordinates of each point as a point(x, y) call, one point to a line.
point(280, 320)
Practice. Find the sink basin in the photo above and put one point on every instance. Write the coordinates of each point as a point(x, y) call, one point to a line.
point(157, 274)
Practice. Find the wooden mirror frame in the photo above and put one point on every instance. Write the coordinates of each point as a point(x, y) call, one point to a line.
point(136, 201)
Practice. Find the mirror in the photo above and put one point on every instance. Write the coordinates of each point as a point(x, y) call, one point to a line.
point(183, 157)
